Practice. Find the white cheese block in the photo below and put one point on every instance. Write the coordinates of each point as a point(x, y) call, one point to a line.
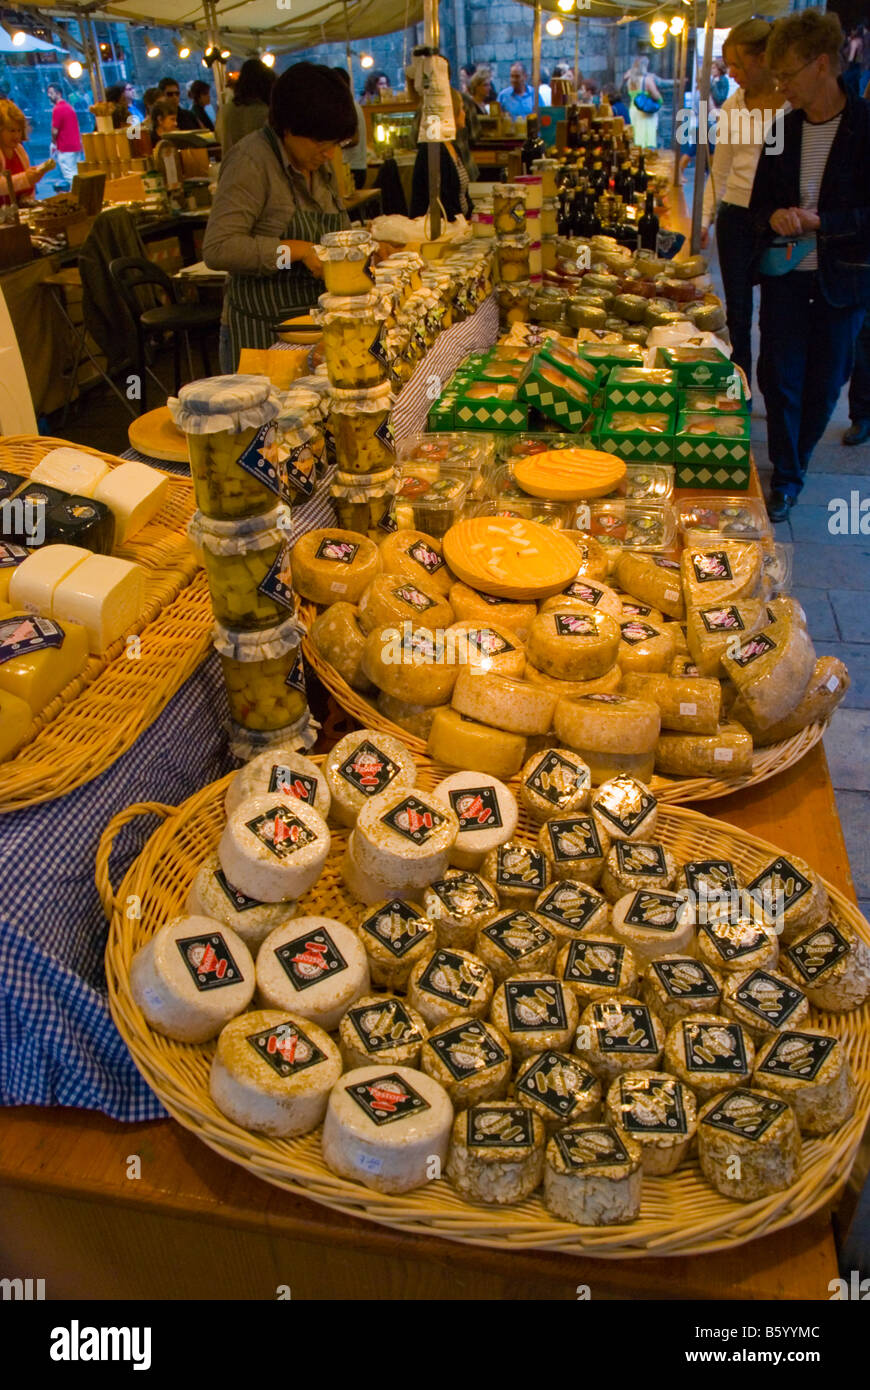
point(34, 581)
point(362, 765)
point(757, 1128)
point(71, 470)
point(385, 1127)
point(572, 644)
point(617, 1035)
point(710, 1053)
point(832, 964)
point(593, 1176)
point(106, 595)
point(405, 833)
point(191, 978)
point(503, 702)
point(659, 1113)
point(487, 812)
point(554, 782)
point(272, 1072)
point(284, 772)
point(535, 1012)
point(809, 1068)
point(212, 895)
point(496, 1152)
point(367, 887)
point(458, 905)
point(273, 848)
point(626, 809)
point(314, 967)
point(450, 984)
point(382, 1029)
point(134, 493)
point(652, 923)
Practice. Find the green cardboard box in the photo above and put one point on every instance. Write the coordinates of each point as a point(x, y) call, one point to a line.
point(641, 388)
point(636, 446)
point(715, 461)
point(696, 366)
point(486, 414)
point(441, 413)
point(610, 355)
point(556, 395)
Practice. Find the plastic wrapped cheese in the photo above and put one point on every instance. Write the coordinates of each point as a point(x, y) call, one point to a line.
point(272, 1073)
point(658, 1112)
point(134, 493)
point(573, 645)
point(596, 968)
point(384, 1126)
point(283, 771)
point(593, 1176)
point(503, 702)
point(414, 719)
point(33, 582)
point(458, 742)
point(711, 631)
point(470, 606)
point(105, 595)
point(361, 766)
point(575, 847)
point(191, 977)
point(273, 849)
point(651, 922)
point(487, 812)
point(16, 719)
point(632, 865)
point(675, 986)
point(619, 1034)
point(825, 690)
point(535, 1012)
point(488, 647)
point(772, 670)
point(337, 636)
point(765, 1002)
point(516, 942)
point(831, 963)
point(405, 835)
point(71, 470)
point(809, 1069)
point(645, 646)
point(330, 565)
point(410, 662)
point(584, 594)
point(554, 782)
point(756, 1128)
point(39, 657)
point(212, 895)
point(571, 908)
point(625, 809)
point(726, 753)
point(652, 579)
point(449, 985)
point(686, 705)
point(608, 684)
point(313, 966)
point(417, 557)
point(381, 1028)
point(710, 1053)
point(392, 599)
point(606, 730)
point(469, 1058)
point(791, 894)
point(721, 574)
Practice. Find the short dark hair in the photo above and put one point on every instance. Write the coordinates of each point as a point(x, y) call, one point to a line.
point(198, 88)
point(150, 95)
point(160, 109)
point(116, 92)
point(168, 82)
point(343, 74)
point(255, 83)
point(310, 100)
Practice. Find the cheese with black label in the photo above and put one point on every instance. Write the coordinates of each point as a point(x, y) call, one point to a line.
point(405, 836)
point(212, 895)
point(449, 984)
point(596, 968)
point(282, 771)
point(574, 847)
point(625, 809)
point(710, 1053)
point(831, 964)
point(608, 684)
point(714, 629)
point(765, 1002)
point(381, 1028)
point(726, 753)
point(331, 565)
point(487, 812)
point(554, 782)
point(314, 967)
point(653, 923)
point(395, 935)
point(517, 871)
point(592, 1176)
point(535, 1012)
point(573, 645)
point(488, 647)
point(411, 662)
point(570, 907)
point(827, 687)
point(496, 1152)
point(272, 1072)
point(516, 942)
point(759, 1131)
point(632, 865)
point(809, 1069)
point(362, 765)
point(191, 978)
point(390, 600)
point(619, 1034)
point(558, 1089)
point(613, 734)
point(645, 646)
point(686, 705)
point(657, 1112)
point(503, 702)
point(736, 938)
point(721, 574)
point(418, 557)
point(470, 1059)
point(710, 879)
point(652, 579)
point(675, 986)
point(387, 1127)
point(771, 670)
point(792, 895)
point(455, 741)
point(586, 596)
point(471, 606)
point(274, 848)
point(337, 636)
point(457, 905)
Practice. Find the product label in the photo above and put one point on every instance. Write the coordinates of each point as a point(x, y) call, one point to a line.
point(296, 675)
point(639, 857)
point(397, 926)
point(387, 1098)
point(336, 549)
point(464, 894)
point(722, 619)
point(238, 900)
point(745, 1114)
point(468, 1049)
point(653, 911)
point(535, 1006)
point(454, 977)
point(388, 520)
point(385, 1024)
point(490, 599)
point(368, 770)
point(711, 878)
point(756, 647)
point(594, 962)
point(770, 999)
point(299, 466)
point(209, 961)
point(625, 803)
point(818, 952)
point(260, 459)
point(477, 808)
point(624, 1028)
point(414, 820)
point(711, 566)
point(557, 780)
point(281, 832)
point(587, 593)
point(521, 867)
point(488, 643)
point(570, 905)
point(386, 436)
point(11, 555)
point(649, 1105)
point(23, 636)
point(377, 349)
point(286, 1049)
point(595, 1146)
point(686, 979)
point(292, 783)
point(666, 564)
point(634, 633)
point(780, 877)
point(576, 625)
point(517, 934)
point(574, 839)
point(311, 958)
point(734, 939)
point(500, 1127)
point(556, 1082)
point(715, 1047)
point(426, 556)
point(798, 1054)
point(414, 597)
point(636, 610)
point(278, 583)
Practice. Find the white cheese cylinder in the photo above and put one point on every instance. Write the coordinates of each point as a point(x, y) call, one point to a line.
point(388, 1129)
point(212, 895)
point(313, 967)
point(274, 849)
point(272, 1073)
point(191, 978)
point(592, 1176)
point(361, 766)
point(487, 813)
point(405, 835)
point(282, 771)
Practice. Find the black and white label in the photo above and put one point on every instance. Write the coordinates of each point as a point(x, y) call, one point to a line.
point(454, 978)
point(818, 952)
point(653, 911)
point(636, 632)
point(425, 556)
point(517, 935)
point(556, 1081)
point(310, 958)
point(209, 961)
point(281, 832)
point(570, 904)
point(500, 1127)
point(711, 878)
point(625, 803)
point(520, 867)
point(715, 1047)
point(593, 1146)
point(557, 780)
point(594, 963)
point(385, 434)
point(260, 459)
point(711, 566)
point(771, 1000)
point(734, 939)
point(624, 1028)
point(468, 1049)
point(292, 783)
point(535, 1006)
point(238, 900)
point(286, 1049)
point(799, 1055)
point(686, 979)
point(296, 675)
point(464, 894)
point(745, 1114)
point(476, 808)
point(413, 820)
point(722, 619)
point(587, 593)
point(752, 649)
point(278, 583)
point(301, 475)
point(414, 597)
point(397, 926)
point(780, 877)
point(335, 548)
point(651, 1105)
point(384, 1025)
point(641, 857)
point(387, 1098)
point(21, 636)
point(575, 839)
point(576, 625)
point(368, 770)
point(486, 642)
point(11, 555)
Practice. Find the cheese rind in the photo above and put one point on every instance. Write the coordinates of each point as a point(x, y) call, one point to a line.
point(808, 1068)
point(39, 657)
point(314, 967)
point(651, 922)
point(714, 628)
point(593, 1176)
point(273, 849)
point(412, 719)
point(134, 493)
point(34, 581)
point(384, 1127)
point(587, 596)
point(596, 967)
point(645, 646)
point(391, 599)
point(831, 963)
point(535, 1012)
point(284, 772)
point(607, 684)
point(410, 662)
point(570, 907)
point(721, 574)
point(710, 1053)
point(686, 705)
point(272, 1072)
point(635, 865)
point(191, 978)
point(448, 985)
point(726, 753)
point(573, 645)
point(825, 690)
point(503, 702)
point(757, 1128)
point(458, 904)
point(765, 1002)
point(496, 1152)
point(487, 812)
point(619, 1034)
point(490, 647)
point(212, 895)
point(381, 1029)
point(646, 578)
point(361, 766)
point(574, 847)
point(418, 557)
point(458, 742)
point(675, 986)
point(405, 835)
point(771, 670)
point(659, 1113)
point(558, 1089)
point(554, 782)
point(470, 1059)
point(516, 942)
point(330, 564)
point(337, 636)
point(470, 606)
point(395, 935)
point(105, 595)
point(608, 724)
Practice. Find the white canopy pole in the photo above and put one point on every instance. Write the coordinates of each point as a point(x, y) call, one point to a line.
point(682, 46)
point(703, 105)
point(92, 57)
point(536, 54)
point(430, 39)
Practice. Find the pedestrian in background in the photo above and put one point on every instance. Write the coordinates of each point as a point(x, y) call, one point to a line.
point(249, 109)
point(171, 91)
point(518, 99)
point(199, 94)
point(66, 142)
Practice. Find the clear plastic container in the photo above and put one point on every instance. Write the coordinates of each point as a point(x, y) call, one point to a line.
point(231, 443)
point(247, 564)
point(264, 675)
point(554, 514)
point(777, 566)
point(512, 259)
point(353, 328)
point(430, 498)
point(628, 525)
point(509, 208)
point(348, 258)
point(360, 424)
point(702, 516)
point(720, 401)
point(700, 424)
point(451, 449)
point(647, 482)
point(520, 446)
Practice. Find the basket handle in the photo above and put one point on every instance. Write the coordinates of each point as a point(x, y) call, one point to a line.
point(107, 841)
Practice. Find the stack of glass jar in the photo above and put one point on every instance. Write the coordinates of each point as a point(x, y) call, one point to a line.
point(512, 267)
point(241, 533)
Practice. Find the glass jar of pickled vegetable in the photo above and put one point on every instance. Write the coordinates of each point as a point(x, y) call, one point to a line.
point(228, 422)
point(300, 450)
point(247, 564)
point(348, 258)
point(264, 676)
point(362, 502)
point(360, 423)
point(514, 304)
point(352, 339)
point(509, 208)
point(512, 259)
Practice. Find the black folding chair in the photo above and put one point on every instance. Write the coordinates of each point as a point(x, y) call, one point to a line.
point(179, 317)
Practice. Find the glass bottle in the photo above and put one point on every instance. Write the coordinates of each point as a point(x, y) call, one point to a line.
point(648, 225)
point(534, 147)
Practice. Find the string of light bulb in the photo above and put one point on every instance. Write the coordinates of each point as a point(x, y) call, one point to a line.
point(660, 28)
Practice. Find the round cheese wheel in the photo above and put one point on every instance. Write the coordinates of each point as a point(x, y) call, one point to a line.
point(646, 646)
point(272, 1072)
point(384, 1127)
point(191, 978)
point(758, 1129)
point(418, 557)
point(212, 895)
point(570, 907)
point(554, 782)
point(617, 1035)
point(405, 835)
point(765, 1002)
point(382, 1029)
point(413, 664)
point(727, 753)
point(368, 887)
point(659, 1113)
point(391, 600)
point(535, 1012)
point(517, 871)
point(337, 636)
point(457, 905)
point(487, 812)
point(471, 606)
point(652, 579)
point(496, 1152)
point(395, 934)
point(607, 684)
point(503, 702)
point(573, 645)
point(450, 984)
point(273, 848)
point(633, 865)
point(314, 964)
point(676, 986)
point(489, 647)
point(470, 1059)
point(736, 941)
point(583, 594)
point(414, 719)
point(625, 809)
point(283, 772)
point(608, 724)
point(792, 894)
point(652, 923)
point(594, 559)
point(329, 565)
point(710, 1053)
point(592, 1176)
point(574, 847)
point(458, 742)
point(809, 1069)
point(832, 964)
point(597, 968)
point(556, 1087)
point(362, 765)
point(516, 942)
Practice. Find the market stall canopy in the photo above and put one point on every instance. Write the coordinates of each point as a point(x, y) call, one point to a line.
point(30, 44)
point(728, 12)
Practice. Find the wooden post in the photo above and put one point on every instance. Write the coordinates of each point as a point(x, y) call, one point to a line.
point(536, 54)
point(682, 48)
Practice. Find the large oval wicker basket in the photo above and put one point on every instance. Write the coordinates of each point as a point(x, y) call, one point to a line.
point(680, 1214)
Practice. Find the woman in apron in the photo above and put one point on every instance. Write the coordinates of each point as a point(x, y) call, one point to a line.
point(275, 200)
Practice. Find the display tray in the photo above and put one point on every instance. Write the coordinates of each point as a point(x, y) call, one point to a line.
point(101, 713)
point(766, 762)
point(680, 1214)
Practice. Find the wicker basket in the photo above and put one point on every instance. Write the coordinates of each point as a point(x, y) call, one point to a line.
point(680, 1214)
point(101, 713)
point(766, 762)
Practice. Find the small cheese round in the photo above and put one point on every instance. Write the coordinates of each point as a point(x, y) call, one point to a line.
point(535, 1012)
point(411, 662)
point(496, 1152)
point(390, 600)
point(554, 782)
point(737, 941)
point(272, 1072)
point(585, 594)
point(395, 935)
point(653, 923)
point(315, 964)
point(470, 606)
point(470, 1058)
point(283, 771)
point(710, 1053)
point(517, 871)
point(488, 647)
point(406, 836)
point(765, 1002)
point(369, 888)
point(596, 968)
point(645, 646)
point(758, 1129)
point(727, 753)
point(418, 557)
point(385, 1125)
point(516, 942)
point(414, 719)
point(456, 741)
point(457, 905)
point(607, 684)
point(573, 645)
point(676, 986)
point(273, 848)
point(574, 847)
point(330, 565)
point(592, 1176)
point(635, 864)
point(487, 812)
point(212, 895)
point(809, 1069)
point(619, 1034)
point(832, 964)
point(570, 906)
point(191, 978)
point(653, 580)
point(381, 1028)
point(707, 880)
point(790, 893)
point(448, 985)
point(612, 734)
point(626, 809)
point(559, 1091)
point(362, 765)
point(503, 702)
point(337, 636)
point(659, 1113)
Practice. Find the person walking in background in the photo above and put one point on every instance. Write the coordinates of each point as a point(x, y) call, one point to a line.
point(355, 156)
point(810, 206)
point(742, 122)
point(617, 105)
point(859, 389)
point(66, 142)
point(720, 87)
point(645, 101)
point(518, 99)
point(199, 94)
point(117, 98)
point(545, 91)
point(170, 91)
point(249, 109)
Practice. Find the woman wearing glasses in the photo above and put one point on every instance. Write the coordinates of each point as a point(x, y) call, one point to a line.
point(276, 197)
point(810, 206)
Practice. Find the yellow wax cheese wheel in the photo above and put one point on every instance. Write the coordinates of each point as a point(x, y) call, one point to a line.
point(414, 719)
point(645, 646)
point(328, 565)
point(417, 557)
point(503, 702)
point(337, 636)
point(510, 557)
point(608, 724)
point(607, 684)
point(569, 474)
point(471, 606)
point(712, 629)
point(573, 645)
point(463, 743)
point(390, 599)
point(487, 647)
point(827, 686)
point(726, 753)
point(413, 664)
point(652, 579)
point(686, 705)
point(584, 594)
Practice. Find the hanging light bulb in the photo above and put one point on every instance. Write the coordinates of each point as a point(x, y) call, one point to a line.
point(554, 27)
point(74, 69)
point(677, 25)
point(658, 31)
point(226, 53)
point(183, 51)
point(268, 59)
point(380, 134)
point(366, 61)
point(154, 51)
point(19, 37)
point(565, 5)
